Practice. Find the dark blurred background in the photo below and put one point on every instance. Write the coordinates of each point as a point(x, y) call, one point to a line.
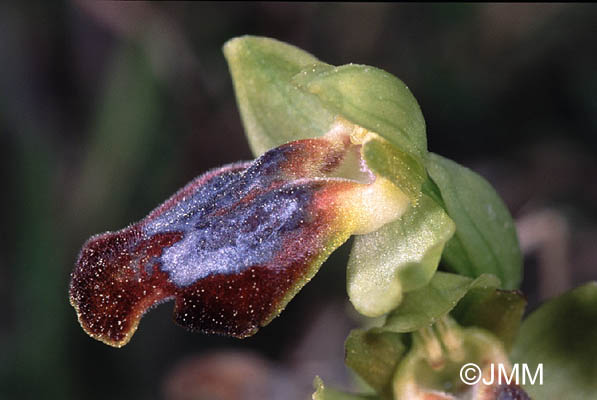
point(108, 108)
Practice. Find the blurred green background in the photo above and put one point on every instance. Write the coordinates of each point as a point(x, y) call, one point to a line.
point(108, 108)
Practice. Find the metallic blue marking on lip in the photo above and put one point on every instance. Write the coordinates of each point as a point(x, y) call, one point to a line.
point(222, 191)
point(246, 236)
point(202, 201)
point(228, 223)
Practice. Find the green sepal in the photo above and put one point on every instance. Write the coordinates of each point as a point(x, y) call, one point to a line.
point(371, 98)
point(485, 239)
point(273, 110)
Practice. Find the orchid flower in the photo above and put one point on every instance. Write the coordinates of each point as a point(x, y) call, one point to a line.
point(235, 245)
point(340, 151)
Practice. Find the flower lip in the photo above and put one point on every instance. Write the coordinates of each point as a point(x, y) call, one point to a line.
point(234, 245)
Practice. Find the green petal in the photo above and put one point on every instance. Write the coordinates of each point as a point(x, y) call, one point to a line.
point(371, 98)
point(374, 354)
point(561, 335)
point(425, 306)
point(399, 257)
point(274, 111)
point(388, 161)
point(324, 393)
point(485, 240)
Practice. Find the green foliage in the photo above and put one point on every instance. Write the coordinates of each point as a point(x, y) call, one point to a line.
point(436, 321)
point(561, 336)
point(286, 94)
